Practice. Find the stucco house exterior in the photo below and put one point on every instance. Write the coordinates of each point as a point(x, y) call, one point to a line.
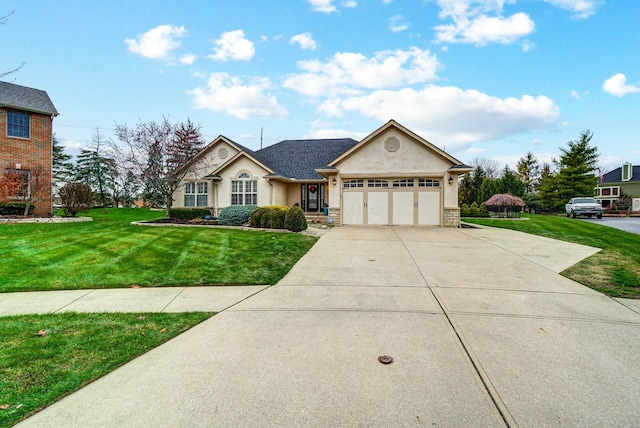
point(26, 120)
point(392, 176)
point(621, 181)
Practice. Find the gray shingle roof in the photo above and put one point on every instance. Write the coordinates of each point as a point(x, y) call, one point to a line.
point(299, 158)
point(615, 176)
point(27, 99)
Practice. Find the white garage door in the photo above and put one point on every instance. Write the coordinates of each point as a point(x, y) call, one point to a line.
point(396, 201)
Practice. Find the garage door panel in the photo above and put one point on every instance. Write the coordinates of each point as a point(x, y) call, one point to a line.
point(429, 208)
point(377, 208)
point(403, 208)
point(353, 207)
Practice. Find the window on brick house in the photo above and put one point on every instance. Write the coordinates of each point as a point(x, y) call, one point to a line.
point(18, 124)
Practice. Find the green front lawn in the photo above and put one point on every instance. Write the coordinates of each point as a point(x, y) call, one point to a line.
point(45, 357)
point(109, 252)
point(614, 271)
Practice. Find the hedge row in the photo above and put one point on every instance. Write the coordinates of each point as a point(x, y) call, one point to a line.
point(189, 213)
point(13, 208)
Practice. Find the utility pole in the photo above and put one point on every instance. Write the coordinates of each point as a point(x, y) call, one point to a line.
point(261, 138)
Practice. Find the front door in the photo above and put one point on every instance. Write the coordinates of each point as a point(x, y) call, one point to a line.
point(312, 197)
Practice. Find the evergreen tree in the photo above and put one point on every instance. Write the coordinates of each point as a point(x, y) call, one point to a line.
point(548, 189)
point(488, 188)
point(510, 183)
point(61, 167)
point(578, 166)
point(96, 169)
point(528, 171)
point(576, 174)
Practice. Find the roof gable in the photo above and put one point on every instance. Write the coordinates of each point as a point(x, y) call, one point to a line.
point(392, 124)
point(27, 99)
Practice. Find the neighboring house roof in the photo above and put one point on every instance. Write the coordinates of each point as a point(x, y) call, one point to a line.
point(299, 159)
point(27, 99)
point(615, 176)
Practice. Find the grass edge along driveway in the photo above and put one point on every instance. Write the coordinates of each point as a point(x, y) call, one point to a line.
point(109, 252)
point(614, 271)
point(46, 357)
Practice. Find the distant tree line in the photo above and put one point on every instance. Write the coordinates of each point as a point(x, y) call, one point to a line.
point(543, 188)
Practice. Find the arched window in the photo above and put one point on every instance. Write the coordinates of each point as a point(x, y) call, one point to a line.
point(244, 190)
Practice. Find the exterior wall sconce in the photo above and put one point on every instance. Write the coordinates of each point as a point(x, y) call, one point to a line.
point(334, 181)
point(450, 179)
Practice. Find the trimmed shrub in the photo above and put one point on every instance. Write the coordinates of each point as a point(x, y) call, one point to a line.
point(189, 213)
point(295, 220)
point(256, 216)
point(474, 209)
point(267, 219)
point(279, 216)
point(13, 208)
point(483, 211)
point(465, 211)
point(236, 215)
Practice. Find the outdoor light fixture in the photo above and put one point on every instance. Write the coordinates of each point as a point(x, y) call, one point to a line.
point(334, 181)
point(450, 179)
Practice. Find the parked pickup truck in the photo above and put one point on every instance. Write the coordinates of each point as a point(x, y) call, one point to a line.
point(583, 206)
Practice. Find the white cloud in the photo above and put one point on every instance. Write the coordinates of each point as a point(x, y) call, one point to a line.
point(351, 73)
point(451, 115)
point(187, 59)
point(350, 3)
point(576, 95)
point(305, 40)
point(325, 6)
point(581, 8)
point(158, 42)
point(233, 45)
point(617, 86)
point(230, 95)
point(397, 23)
point(470, 26)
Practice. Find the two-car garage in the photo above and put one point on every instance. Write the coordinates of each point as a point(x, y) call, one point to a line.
point(404, 201)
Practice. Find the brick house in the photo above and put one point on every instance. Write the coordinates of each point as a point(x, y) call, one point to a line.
point(26, 120)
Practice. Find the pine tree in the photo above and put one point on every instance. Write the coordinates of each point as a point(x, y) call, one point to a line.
point(96, 169)
point(62, 169)
point(510, 183)
point(528, 171)
point(578, 166)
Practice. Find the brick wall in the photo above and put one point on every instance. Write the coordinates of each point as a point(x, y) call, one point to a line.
point(37, 150)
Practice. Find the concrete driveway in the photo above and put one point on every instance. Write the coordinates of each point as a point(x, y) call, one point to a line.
point(628, 224)
point(482, 329)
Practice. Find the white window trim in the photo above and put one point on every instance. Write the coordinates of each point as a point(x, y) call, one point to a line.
point(197, 190)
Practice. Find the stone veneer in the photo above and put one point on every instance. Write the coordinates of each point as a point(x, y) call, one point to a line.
point(451, 217)
point(335, 213)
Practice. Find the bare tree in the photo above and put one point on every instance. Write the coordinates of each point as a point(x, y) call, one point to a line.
point(28, 187)
point(3, 20)
point(489, 166)
point(160, 151)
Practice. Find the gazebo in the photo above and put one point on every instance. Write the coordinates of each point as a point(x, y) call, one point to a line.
point(504, 205)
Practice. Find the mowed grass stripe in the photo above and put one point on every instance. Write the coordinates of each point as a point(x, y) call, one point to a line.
point(108, 253)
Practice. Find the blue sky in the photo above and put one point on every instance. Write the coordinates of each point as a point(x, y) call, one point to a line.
point(487, 79)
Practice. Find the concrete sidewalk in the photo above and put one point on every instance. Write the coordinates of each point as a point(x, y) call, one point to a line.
point(160, 299)
point(482, 330)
